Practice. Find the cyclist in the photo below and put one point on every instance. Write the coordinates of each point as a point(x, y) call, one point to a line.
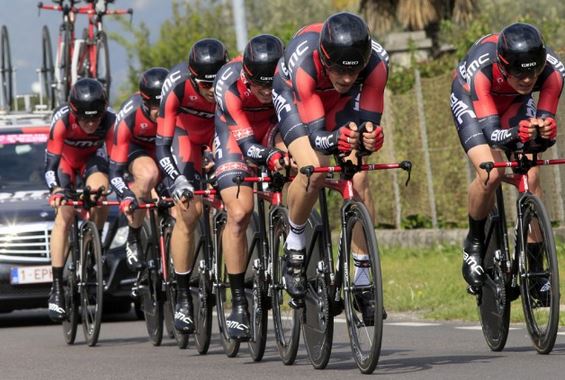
point(134, 152)
point(186, 124)
point(493, 107)
point(328, 89)
point(75, 148)
point(245, 126)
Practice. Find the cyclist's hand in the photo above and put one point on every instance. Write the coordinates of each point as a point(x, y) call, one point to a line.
point(276, 160)
point(182, 191)
point(128, 205)
point(372, 137)
point(526, 130)
point(548, 128)
point(57, 197)
point(208, 160)
point(347, 137)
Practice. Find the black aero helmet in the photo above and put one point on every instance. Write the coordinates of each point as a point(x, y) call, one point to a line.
point(87, 99)
point(206, 57)
point(151, 84)
point(260, 58)
point(345, 42)
point(521, 50)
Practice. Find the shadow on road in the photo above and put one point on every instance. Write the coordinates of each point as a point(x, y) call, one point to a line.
point(38, 317)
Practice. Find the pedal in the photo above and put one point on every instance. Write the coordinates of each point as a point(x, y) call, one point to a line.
point(473, 290)
point(296, 303)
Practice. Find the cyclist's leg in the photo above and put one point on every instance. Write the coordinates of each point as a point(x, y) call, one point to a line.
point(58, 245)
point(238, 201)
point(145, 176)
point(480, 194)
point(96, 176)
point(188, 159)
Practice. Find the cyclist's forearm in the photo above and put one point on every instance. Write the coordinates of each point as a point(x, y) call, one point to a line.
point(51, 166)
point(495, 135)
point(165, 157)
point(117, 170)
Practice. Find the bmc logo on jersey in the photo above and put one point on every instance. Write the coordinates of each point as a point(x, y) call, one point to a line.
point(280, 104)
point(84, 143)
point(171, 80)
point(254, 152)
point(556, 63)
point(500, 135)
point(380, 50)
point(300, 50)
point(474, 66)
point(59, 114)
point(221, 87)
point(459, 108)
point(126, 109)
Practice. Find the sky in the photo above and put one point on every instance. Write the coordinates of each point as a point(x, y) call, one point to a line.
point(24, 27)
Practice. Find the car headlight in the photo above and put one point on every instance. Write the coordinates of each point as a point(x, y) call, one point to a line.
point(120, 238)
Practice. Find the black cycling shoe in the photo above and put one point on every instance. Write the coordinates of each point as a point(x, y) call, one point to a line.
point(365, 303)
point(238, 321)
point(472, 269)
point(294, 275)
point(541, 291)
point(56, 303)
point(184, 319)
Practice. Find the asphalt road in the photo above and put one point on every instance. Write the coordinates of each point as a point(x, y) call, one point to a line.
point(32, 348)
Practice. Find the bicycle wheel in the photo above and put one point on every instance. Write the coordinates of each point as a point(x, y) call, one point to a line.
point(63, 71)
point(317, 318)
point(83, 58)
point(231, 347)
point(493, 301)
point(150, 286)
point(180, 338)
point(256, 290)
point(168, 307)
point(201, 289)
point(103, 61)
point(539, 276)
point(92, 282)
point(286, 320)
point(47, 69)
point(6, 69)
point(362, 287)
point(70, 287)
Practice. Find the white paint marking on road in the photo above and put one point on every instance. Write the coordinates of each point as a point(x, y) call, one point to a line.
point(480, 328)
point(412, 324)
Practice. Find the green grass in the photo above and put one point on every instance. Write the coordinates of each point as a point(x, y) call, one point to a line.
point(429, 283)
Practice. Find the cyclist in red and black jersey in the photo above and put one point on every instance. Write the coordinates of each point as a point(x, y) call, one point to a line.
point(134, 152)
point(493, 107)
point(245, 128)
point(329, 88)
point(80, 131)
point(185, 125)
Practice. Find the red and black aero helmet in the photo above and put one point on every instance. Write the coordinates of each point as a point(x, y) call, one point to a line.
point(151, 84)
point(345, 43)
point(206, 57)
point(521, 50)
point(260, 58)
point(87, 99)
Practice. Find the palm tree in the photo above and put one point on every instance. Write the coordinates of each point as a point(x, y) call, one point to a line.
point(384, 16)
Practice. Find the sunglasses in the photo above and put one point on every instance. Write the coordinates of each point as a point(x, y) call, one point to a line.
point(204, 84)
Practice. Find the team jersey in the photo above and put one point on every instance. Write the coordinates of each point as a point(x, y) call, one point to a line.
point(69, 142)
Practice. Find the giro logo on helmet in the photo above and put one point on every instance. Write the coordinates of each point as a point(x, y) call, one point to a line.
point(350, 63)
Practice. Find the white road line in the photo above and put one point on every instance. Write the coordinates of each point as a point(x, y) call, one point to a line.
point(480, 328)
point(412, 324)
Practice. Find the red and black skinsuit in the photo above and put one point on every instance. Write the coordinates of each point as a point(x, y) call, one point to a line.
point(486, 109)
point(245, 127)
point(71, 151)
point(307, 103)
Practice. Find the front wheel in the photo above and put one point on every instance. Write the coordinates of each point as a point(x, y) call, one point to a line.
point(539, 275)
point(91, 282)
point(362, 287)
point(47, 70)
point(6, 69)
point(494, 300)
point(72, 298)
point(102, 68)
point(286, 320)
point(150, 285)
point(201, 288)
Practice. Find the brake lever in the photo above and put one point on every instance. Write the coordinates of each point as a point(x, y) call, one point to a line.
point(407, 166)
point(488, 166)
point(307, 171)
point(238, 179)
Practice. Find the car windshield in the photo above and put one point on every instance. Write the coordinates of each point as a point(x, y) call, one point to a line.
point(22, 157)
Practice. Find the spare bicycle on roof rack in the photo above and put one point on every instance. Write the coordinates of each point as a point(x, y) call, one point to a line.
point(87, 57)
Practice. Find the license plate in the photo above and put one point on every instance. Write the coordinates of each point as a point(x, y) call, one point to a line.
point(31, 275)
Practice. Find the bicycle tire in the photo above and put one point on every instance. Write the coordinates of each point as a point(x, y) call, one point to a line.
point(543, 334)
point(103, 61)
point(366, 356)
point(230, 346)
point(6, 68)
point(317, 316)
point(63, 73)
point(151, 297)
point(494, 300)
point(92, 282)
point(72, 299)
point(286, 321)
point(47, 68)
point(168, 307)
point(256, 291)
point(201, 290)
point(181, 339)
point(83, 60)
